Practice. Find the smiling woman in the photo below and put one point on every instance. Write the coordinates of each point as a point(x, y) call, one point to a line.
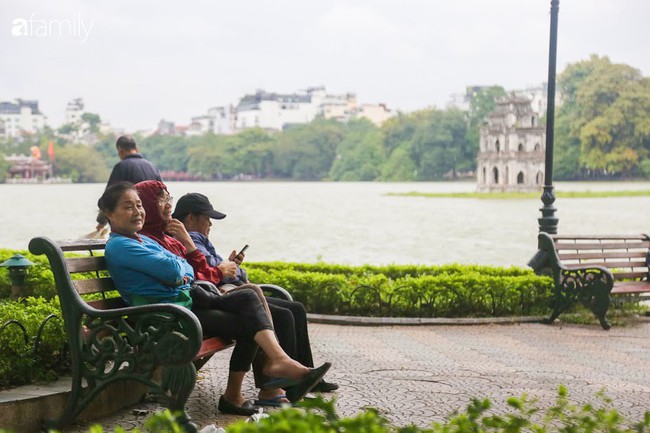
point(123, 208)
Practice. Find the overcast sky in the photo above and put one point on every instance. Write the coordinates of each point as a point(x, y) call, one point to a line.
point(136, 62)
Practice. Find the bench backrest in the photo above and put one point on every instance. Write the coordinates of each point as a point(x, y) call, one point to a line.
point(96, 264)
point(623, 255)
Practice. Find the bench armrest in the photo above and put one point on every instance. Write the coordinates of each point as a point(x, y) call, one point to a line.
point(276, 291)
point(169, 333)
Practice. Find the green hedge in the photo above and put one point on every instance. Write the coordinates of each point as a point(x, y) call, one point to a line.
point(410, 291)
point(23, 361)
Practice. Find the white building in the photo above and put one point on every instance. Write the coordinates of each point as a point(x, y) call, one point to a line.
point(537, 95)
point(21, 116)
point(462, 101)
point(73, 111)
point(274, 111)
point(511, 148)
point(219, 120)
point(376, 113)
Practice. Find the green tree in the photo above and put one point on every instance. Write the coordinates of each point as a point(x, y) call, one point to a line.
point(81, 163)
point(4, 168)
point(360, 154)
point(606, 109)
point(306, 152)
point(481, 105)
point(439, 144)
point(93, 121)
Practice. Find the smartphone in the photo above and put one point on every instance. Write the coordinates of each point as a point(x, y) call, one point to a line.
point(243, 250)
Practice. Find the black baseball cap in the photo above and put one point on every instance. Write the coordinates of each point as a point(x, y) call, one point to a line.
point(195, 202)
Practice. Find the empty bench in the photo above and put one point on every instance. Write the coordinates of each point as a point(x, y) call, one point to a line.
point(159, 345)
point(588, 269)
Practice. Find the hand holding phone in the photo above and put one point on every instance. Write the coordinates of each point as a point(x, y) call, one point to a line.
point(239, 257)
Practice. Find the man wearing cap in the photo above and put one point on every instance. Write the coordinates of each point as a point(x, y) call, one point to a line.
point(195, 211)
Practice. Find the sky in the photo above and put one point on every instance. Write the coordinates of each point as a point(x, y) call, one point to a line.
point(137, 62)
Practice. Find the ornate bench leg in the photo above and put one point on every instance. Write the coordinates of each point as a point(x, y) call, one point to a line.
point(73, 407)
point(562, 300)
point(180, 381)
point(599, 306)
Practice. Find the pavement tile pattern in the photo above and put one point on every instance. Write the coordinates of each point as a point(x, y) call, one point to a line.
point(420, 374)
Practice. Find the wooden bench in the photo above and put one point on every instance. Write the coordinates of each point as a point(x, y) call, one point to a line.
point(110, 341)
point(589, 269)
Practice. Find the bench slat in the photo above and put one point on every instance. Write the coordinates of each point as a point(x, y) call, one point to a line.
point(631, 287)
point(603, 255)
point(596, 237)
point(82, 244)
point(85, 264)
point(602, 246)
point(212, 345)
point(610, 265)
point(94, 285)
point(629, 276)
point(107, 304)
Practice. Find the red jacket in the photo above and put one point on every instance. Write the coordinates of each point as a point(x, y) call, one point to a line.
point(154, 227)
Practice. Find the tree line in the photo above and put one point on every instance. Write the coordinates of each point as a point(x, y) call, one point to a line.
point(602, 132)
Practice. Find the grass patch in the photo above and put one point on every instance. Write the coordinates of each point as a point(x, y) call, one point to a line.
point(522, 195)
point(620, 314)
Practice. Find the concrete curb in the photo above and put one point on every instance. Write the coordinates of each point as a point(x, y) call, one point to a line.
point(418, 321)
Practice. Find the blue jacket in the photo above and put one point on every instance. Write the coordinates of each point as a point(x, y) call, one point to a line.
point(204, 245)
point(144, 272)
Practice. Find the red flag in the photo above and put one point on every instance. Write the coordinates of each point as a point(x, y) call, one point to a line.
point(50, 150)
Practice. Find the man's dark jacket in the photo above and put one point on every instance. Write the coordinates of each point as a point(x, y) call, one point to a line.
point(134, 168)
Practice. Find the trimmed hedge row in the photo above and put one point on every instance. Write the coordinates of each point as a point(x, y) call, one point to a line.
point(410, 291)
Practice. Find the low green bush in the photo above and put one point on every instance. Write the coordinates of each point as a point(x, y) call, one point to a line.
point(22, 360)
point(410, 291)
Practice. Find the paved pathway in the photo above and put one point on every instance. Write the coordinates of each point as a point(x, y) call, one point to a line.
point(421, 374)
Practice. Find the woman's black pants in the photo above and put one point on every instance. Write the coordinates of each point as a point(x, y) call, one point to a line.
point(238, 316)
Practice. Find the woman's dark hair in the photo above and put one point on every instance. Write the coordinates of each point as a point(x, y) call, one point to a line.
point(108, 201)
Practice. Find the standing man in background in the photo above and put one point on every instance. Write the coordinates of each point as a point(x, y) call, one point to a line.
point(133, 167)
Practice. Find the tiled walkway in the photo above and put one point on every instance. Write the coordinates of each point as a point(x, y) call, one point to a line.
point(422, 373)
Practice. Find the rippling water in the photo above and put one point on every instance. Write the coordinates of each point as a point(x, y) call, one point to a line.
point(352, 223)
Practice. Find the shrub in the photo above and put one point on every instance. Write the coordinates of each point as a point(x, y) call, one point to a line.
point(36, 354)
point(410, 291)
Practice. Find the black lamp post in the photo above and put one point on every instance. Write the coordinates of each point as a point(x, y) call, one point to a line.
point(548, 221)
point(17, 266)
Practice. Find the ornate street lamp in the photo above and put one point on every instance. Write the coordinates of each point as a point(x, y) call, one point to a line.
point(548, 221)
point(17, 266)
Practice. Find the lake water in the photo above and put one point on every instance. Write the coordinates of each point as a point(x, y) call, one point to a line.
point(352, 223)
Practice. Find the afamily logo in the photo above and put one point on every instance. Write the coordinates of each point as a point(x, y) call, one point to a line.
point(35, 27)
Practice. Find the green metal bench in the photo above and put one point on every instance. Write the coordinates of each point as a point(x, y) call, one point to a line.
point(589, 269)
point(110, 341)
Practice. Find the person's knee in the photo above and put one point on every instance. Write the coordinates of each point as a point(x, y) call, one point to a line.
point(250, 295)
point(282, 317)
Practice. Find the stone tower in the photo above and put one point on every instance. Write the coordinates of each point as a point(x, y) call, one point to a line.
point(511, 148)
